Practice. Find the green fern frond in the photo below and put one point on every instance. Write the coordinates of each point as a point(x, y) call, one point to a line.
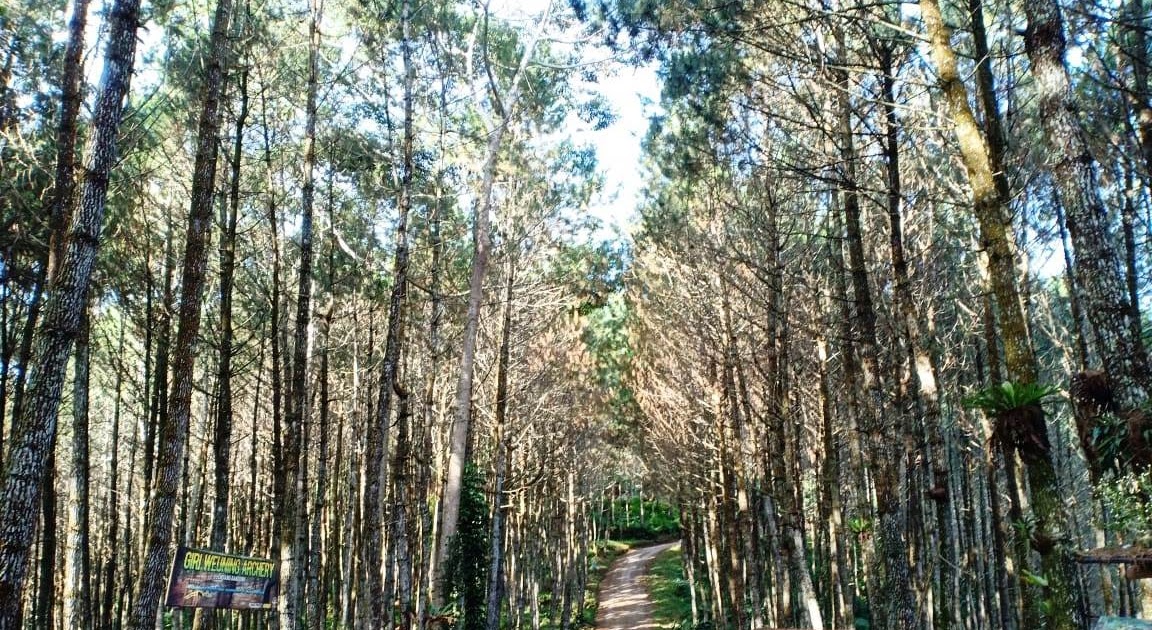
point(1008, 396)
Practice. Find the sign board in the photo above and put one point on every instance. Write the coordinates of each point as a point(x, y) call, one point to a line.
point(207, 579)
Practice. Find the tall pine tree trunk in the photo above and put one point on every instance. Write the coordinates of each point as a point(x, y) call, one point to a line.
point(174, 430)
point(837, 579)
point(991, 211)
point(291, 531)
point(316, 588)
point(886, 457)
point(1008, 585)
point(924, 362)
point(496, 537)
point(222, 435)
point(25, 466)
point(77, 600)
point(112, 502)
point(378, 596)
point(482, 244)
point(45, 604)
point(64, 194)
point(1135, 48)
point(427, 568)
point(1104, 298)
point(222, 430)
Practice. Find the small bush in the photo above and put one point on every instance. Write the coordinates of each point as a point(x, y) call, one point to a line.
point(621, 520)
point(1129, 499)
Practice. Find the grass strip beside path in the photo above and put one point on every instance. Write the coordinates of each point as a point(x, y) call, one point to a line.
point(668, 590)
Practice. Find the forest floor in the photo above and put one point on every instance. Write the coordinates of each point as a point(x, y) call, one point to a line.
point(624, 601)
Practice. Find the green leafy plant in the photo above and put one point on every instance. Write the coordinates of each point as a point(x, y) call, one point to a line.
point(1008, 396)
point(1025, 526)
point(1017, 415)
point(1109, 439)
point(621, 519)
point(1129, 508)
point(1035, 579)
point(859, 525)
point(467, 570)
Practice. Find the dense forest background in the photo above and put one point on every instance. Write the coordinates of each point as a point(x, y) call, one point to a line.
point(317, 281)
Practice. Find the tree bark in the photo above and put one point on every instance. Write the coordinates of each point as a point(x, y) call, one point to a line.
point(380, 606)
point(77, 601)
point(158, 344)
point(1104, 298)
point(1074, 170)
point(836, 578)
point(991, 213)
point(174, 430)
point(64, 195)
point(991, 207)
point(316, 588)
point(496, 549)
point(424, 482)
point(222, 431)
point(222, 436)
point(20, 491)
point(886, 457)
point(924, 368)
point(481, 241)
point(45, 604)
point(292, 524)
point(275, 338)
point(7, 105)
point(112, 502)
point(1135, 48)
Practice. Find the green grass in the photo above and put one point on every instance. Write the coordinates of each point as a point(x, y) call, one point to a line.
point(668, 589)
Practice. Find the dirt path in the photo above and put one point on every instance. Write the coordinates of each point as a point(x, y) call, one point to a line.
point(624, 603)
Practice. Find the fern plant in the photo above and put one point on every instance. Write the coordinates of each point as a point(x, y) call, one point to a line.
point(1008, 396)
